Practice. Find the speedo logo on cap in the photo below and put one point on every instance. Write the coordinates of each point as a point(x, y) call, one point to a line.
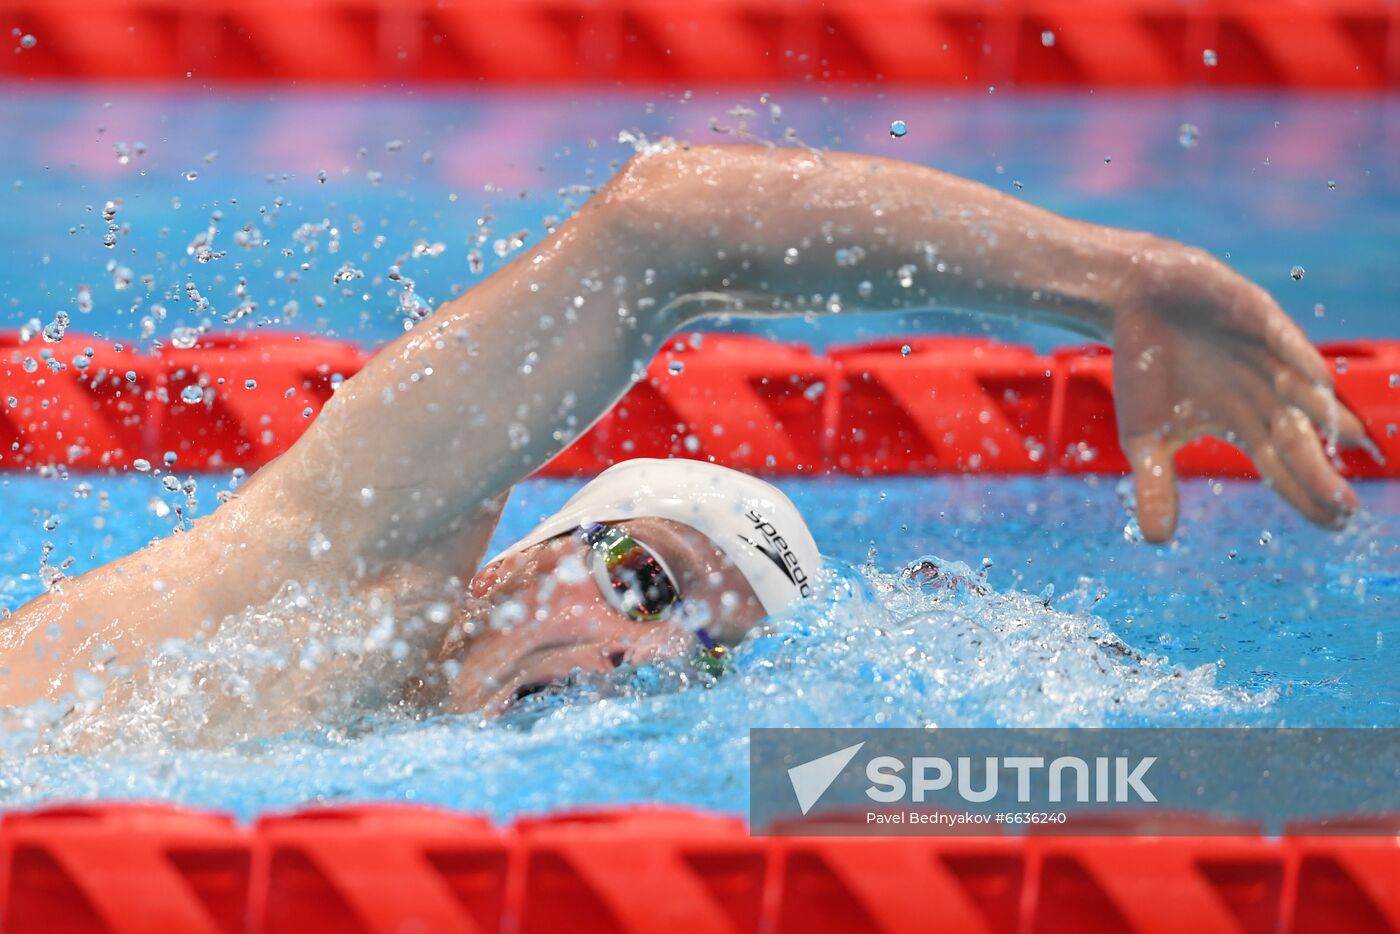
point(776, 549)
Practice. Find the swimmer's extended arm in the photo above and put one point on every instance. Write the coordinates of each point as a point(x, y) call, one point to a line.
point(1198, 348)
point(501, 379)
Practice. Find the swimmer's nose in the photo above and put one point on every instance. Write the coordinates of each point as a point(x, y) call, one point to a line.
point(657, 644)
point(533, 563)
point(485, 579)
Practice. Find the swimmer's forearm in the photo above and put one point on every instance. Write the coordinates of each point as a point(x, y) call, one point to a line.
point(410, 461)
point(756, 231)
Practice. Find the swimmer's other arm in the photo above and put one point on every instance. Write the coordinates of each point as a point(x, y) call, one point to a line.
point(418, 448)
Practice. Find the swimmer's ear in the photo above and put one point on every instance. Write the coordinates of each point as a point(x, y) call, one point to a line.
point(1154, 477)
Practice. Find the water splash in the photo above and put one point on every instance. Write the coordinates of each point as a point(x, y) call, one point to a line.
point(284, 703)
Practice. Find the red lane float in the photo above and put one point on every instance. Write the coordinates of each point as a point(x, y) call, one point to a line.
point(390, 868)
point(941, 405)
point(925, 405)
point(1096, 43)
point(122, 868)
point(742, 401)
point(240, 400)
point(378, 868)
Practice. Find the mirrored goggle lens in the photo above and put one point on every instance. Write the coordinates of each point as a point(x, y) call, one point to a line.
point(633, 577)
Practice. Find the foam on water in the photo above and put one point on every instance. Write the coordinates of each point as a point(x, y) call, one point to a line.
point(285, 705)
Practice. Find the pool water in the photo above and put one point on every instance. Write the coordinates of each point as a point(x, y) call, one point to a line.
point(1251, 617)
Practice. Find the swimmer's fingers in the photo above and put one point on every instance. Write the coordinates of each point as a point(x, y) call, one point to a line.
point(1289, 458)
point(1154, 478)
point(1333, 500)
point(1286, 340)
point(1328, 414)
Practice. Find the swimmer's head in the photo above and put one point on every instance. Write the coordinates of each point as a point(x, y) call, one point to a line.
point(651, 560)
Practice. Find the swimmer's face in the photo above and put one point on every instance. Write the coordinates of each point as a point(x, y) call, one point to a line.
point(539, 615)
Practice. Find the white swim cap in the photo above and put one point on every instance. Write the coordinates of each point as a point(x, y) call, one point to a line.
point(750, 520)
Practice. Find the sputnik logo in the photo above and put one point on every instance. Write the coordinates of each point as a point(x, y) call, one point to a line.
point(810, 780)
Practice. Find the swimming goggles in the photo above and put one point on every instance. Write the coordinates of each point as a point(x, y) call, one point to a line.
point(637, 583)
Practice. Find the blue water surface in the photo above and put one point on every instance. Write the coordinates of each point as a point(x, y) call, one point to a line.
point(1252, 617)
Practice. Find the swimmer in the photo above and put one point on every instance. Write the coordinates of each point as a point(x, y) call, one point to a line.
point(395, 490)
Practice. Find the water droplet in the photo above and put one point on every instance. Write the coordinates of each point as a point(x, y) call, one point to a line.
point(318, 546)
point(1047, 39)
point(849, 256)
point(1296, 273)
point(54, 330)
point(1319, 310)
point(142, 465)
point(1107, 160)
point(906, 350)
point(184, 338)
point(906, 275)
point(29, 365)
point(865, 289)
point(250, 384)
point(676, 367)
point(898, 128)
point(1188, 135)
point(306, 412)
point(192, 394)
point(1265, 537)
point(1394, 380)
point(790, 256)
point(27, 41)
point(191, 176)
point(1331, 185)
point(321, 176)
point(1209, 58)
point(346, 273)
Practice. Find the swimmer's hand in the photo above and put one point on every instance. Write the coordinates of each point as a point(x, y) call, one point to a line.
point(1201, 350)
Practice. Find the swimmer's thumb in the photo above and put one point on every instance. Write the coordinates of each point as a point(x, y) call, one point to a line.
point(1154, 477)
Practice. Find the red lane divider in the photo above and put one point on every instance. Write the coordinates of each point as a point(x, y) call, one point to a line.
point(742, 401)
point(939, 405)
point(1098, 43)
point(240, 400)
point(1354, 886)
point(378, 868)
point(927, 405)
point(391, 868)
point(122, 868)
